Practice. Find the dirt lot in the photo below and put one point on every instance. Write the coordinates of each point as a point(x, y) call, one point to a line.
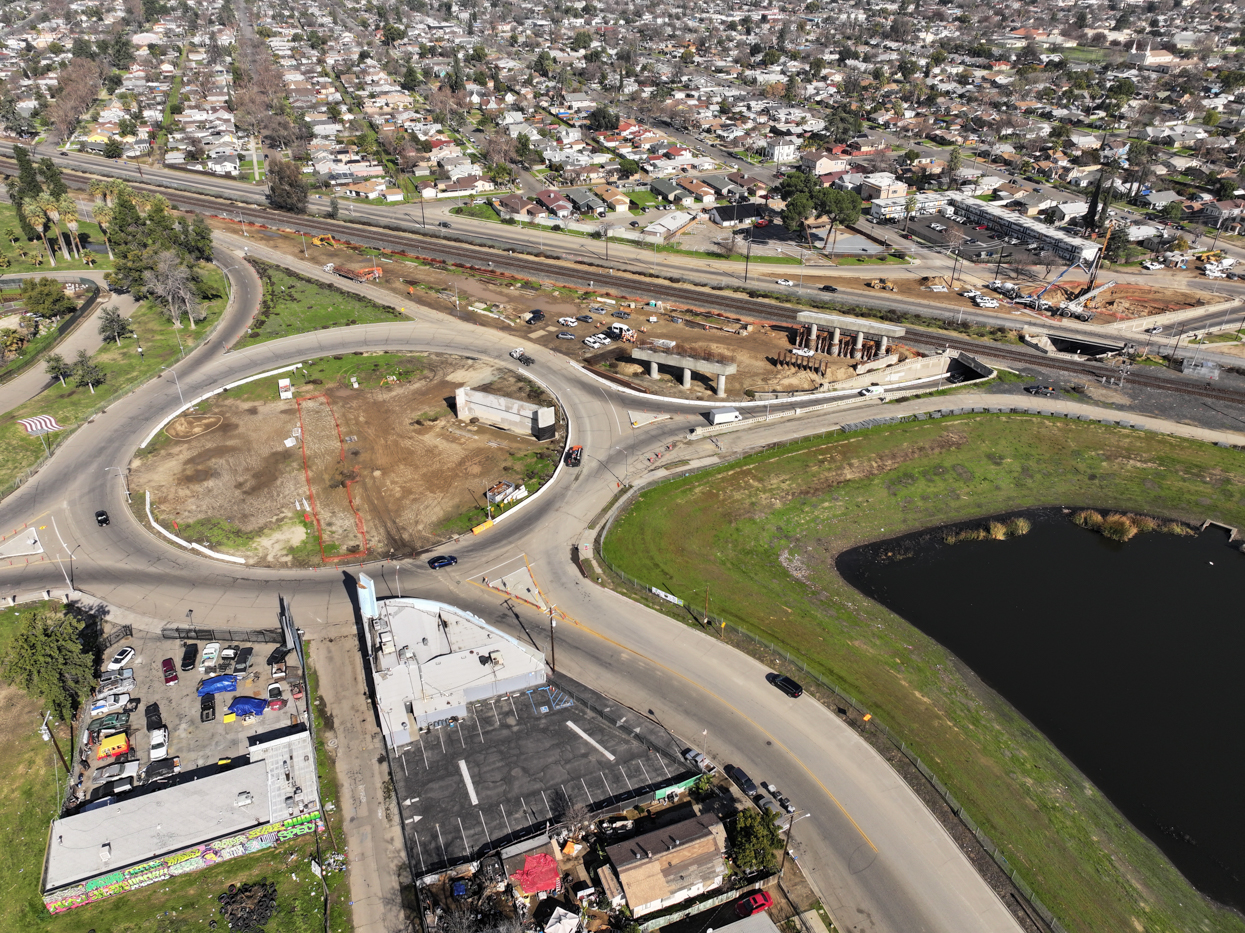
point(336, 470)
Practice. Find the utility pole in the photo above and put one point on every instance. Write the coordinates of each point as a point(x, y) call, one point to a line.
point(747, 258)
point(553, 645)
point(49, 734)
point(790, 827)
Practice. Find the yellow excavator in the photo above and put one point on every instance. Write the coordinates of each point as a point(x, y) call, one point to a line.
point(322, 241)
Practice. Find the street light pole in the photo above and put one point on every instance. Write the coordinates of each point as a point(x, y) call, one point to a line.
point(790, 827)
point(553, 645)
point(178, 383)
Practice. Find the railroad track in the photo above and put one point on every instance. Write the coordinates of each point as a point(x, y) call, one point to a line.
point(427, 244)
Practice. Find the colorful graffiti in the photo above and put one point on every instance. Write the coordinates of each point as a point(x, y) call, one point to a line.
point(181, 863)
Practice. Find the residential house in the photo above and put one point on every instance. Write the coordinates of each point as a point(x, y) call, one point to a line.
point(882, 185)
point(552, 200)
point(614, 198)
point(702, 191)
point(669, 191)
point(821, 162)
point(515, 205)
point(731, 215)
point(668, 866)
point(780, 149)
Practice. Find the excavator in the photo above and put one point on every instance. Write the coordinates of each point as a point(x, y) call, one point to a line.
point(322, 241)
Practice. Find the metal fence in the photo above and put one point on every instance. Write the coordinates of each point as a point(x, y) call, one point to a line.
point(123, 631)
point(272, 636)
point(795, 659)
point(63, 329)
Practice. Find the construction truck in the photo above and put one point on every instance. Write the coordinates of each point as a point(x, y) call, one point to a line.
point(883, 284)
point(322, 241)
point(370, 274)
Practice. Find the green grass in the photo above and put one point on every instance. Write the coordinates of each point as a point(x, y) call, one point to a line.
point(478, 211)
point(187, 902)
point(532, 469)
point(643, 199)
point(215, 533)
point(369, 369)
point(87, 233)
point(126, 371)
point(728, 529)
point(293, 304)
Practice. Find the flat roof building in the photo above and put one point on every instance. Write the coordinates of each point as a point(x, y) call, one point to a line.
point(430, 660)
point(672, 864)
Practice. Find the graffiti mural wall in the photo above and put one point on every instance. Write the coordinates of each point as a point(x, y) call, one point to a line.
point(181, 863)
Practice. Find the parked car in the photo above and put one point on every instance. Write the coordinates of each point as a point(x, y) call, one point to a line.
point(761, 223)
point(170, 672)
point(442, 561)
point(739, 777)
point(121, 659)
point(788, 686)
point(586, 318)
point(207, 708)
point(116, 770)
point(101, 518)
point(699, 761)
point(109, 703)
point(159, 743)
point(444, 223)
point(243, 660)
point(802, 351)
point(1046, 391)
point(189, 654)
point(207, 664)
point(568, 322)
point(152, 714)
point(565, 335)
point(227, 657)
point(755, 903)
point(575, 456)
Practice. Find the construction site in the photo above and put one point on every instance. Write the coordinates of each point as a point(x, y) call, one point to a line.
point(367, 463)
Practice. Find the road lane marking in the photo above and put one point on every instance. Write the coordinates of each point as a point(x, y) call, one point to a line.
point(471, 788)
point(590, 740)
point(778, 742)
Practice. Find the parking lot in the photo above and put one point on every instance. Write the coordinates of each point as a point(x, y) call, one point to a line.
point(976, 243)
point(517, 763)
point(195, 745)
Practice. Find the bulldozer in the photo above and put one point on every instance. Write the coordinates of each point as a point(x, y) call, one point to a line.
point(883, 284)
point(322, 241)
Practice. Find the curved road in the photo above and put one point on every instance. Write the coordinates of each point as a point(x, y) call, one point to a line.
point(880, 860)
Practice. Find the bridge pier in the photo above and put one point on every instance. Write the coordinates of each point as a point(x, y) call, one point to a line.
point(858, 345)
point(721, 387)
point(652, 369)
point(687, 378)
point(834, 344)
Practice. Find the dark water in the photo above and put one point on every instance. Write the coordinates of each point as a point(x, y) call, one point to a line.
point(1129, 657)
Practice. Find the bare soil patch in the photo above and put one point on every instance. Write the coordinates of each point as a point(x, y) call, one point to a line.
point(187, 426)
point(386, 466)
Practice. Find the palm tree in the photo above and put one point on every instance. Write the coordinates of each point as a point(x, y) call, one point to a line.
point(51, 209)
point(39, 221)
point(103, 217)
point(37, 258)
point(69, 211)
point(98, 189)
point(88, 259)
point(13, 236)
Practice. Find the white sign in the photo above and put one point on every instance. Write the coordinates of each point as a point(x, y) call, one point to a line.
point(666, 596)
point(367, 597)
point(283, 386)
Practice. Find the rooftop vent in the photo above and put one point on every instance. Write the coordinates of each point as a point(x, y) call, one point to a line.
point(105, 852)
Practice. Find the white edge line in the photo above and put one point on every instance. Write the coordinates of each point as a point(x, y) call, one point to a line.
point(159, 427)
point(172, 537)
point(471, 788)
point(590, 740)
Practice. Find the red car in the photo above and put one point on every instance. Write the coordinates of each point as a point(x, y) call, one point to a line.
point(754, 904)
point(761, 223)
point(170, 671)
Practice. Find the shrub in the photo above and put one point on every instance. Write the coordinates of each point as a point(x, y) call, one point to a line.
point(1018, 526)
point(1119, 527)
point(1087, 518)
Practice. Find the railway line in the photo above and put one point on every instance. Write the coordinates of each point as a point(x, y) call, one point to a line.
point(429, 245)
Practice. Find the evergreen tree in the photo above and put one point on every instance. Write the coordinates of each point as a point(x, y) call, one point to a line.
point(87, 374)
point(287, 187)
point(24, 187)
point(112, 326)
point(47, 659)
point(50, 174)
point(55, 366)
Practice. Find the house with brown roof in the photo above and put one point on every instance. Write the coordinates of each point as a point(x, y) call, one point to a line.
point(671, 865)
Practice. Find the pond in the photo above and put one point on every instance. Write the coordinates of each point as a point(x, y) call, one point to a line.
point(1127, 656)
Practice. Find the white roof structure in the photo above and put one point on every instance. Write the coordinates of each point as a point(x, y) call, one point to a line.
point(430, 660)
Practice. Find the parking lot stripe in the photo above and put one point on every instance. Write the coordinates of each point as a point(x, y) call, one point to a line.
point(586, 791)
point(493, 703)
point(647, 779)
point(466, 844)
point(461, 738)
point(445, 855)
point(425, 753)
point(512, 706)
point(487, 837)
point(608, 790)
point(590, 740)
point(509, 831)
point(471, 788)
point(663, 765)
point(478, 728)
point(420, 849)
point(547, 807)
point(625, 778)
point(441, 736)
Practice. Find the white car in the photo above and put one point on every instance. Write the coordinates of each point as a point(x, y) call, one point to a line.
point(113, 701)
point(568, 322)
point(592, 342)
point(786, 282)
point(603, 340)
point(1151, 266)
point(802, 351)
point(121, 659)
point(159, 743)
point(210, 654)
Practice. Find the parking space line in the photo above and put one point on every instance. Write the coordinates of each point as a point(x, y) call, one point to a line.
point(586, 791)
point(608, 790)
point(423, 870)
point(424, 751)
point(493, 703)
point(444, 854)
point(466, 844)
point(459, 730)
point(510, 697)
point(663, 765)
point(547, 807)
point(478, 728)
point(487, 837)
point(441, 736)
point(509, 831)
point(590, 740)
point(471, 788)
point(532, 701)
point(625, 778)
point(647, 779)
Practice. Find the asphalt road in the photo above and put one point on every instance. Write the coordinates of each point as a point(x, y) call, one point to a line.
point(878, 857)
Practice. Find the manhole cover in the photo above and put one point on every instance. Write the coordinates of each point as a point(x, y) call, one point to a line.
point(331, 743)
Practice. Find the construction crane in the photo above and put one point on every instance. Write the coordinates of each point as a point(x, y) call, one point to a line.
point(1076, 307)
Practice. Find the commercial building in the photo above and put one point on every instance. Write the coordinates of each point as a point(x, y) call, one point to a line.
point(148, 838)
point(997, 219)
point(429, 660)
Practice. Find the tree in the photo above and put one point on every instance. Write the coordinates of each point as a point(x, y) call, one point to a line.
point(754, 837)
point(1173, 211)
point(909, 205)
point(796, 212)
point(412, 79)
point(603, 120)
point(46, 298)
point(112, 148)
point(87, 374)
point(173, 286)
point(393, 33)
point(113, 326)
point(287, 189)
point(56, 367)
point(47, 659)
point(581, 40)
point(629, 167)
point(954, 161)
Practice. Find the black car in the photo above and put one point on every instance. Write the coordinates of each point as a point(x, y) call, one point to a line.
point(189, 656)
point(575, 456)
point(444, 223)
point(101, 518)
point(442, 560)
point(153, 717)
point(243, 660)
point(828, 288)
point(788, 686)
point(207, 708)
point(536, 317)
point(1044, 391)
point(739, 777)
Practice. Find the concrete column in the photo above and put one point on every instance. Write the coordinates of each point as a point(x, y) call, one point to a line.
point(812, 336)
point(834, 344)
point(858, 345)
point(721, 390)
point(882, 343)
point(687, 378)
point(652, 369)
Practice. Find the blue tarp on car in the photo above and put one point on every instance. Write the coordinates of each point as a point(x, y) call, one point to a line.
point(248, 706)
point(225, 683)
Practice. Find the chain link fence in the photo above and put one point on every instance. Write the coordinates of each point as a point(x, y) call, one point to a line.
point(269, 636)
point(724, 626)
